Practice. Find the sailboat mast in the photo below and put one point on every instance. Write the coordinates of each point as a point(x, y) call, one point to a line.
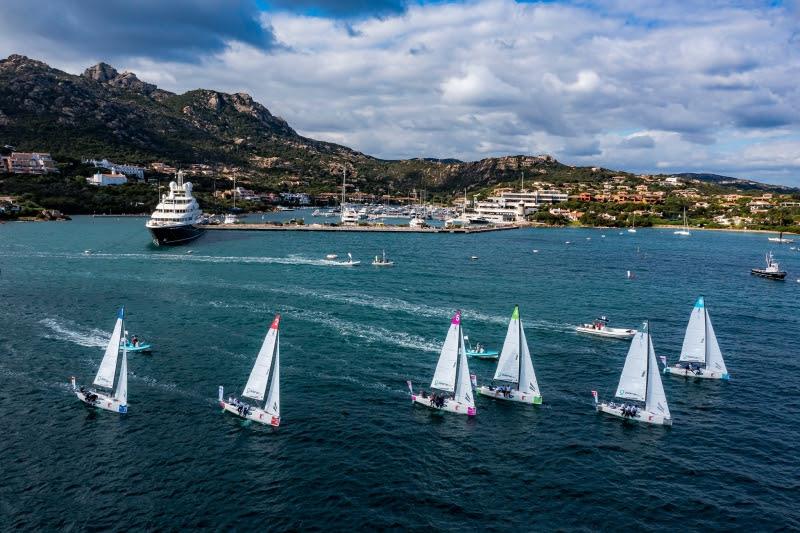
point(647, 365)
point(344, 180)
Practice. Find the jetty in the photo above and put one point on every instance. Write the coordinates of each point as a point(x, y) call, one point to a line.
point(352, 229)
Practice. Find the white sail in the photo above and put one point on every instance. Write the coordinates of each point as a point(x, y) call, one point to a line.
point(273, 403)
point(257, 383)
point(508, 365)
point(714, 361)
point(527, 377)
point(694, 341)
point(463, 389)
point(121, 394)
point(445, 376)
point(656, 401)
point(633, 381)
point(108, 366)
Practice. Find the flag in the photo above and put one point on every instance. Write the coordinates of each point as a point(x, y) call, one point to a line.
point(410, 388)
point(663, 360)
point(594, 393)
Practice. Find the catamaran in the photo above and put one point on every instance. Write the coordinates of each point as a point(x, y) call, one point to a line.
point(685, 230)
point(451, 385)
point(265, 371)
point(640, 382)
point(515, 367)
point(700, 354)
point(106, 395)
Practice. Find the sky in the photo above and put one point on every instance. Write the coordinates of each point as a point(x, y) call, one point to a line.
point(647, 86)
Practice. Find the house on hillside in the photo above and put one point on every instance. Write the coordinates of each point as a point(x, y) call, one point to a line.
point(103, 180)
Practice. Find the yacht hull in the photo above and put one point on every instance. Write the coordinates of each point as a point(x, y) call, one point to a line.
point(175, 235)
point(450, 406)
point(684, 372)
point(641, 415)
point(610, 333)
point(255, 414)
point(514, 396)
point(102, 401)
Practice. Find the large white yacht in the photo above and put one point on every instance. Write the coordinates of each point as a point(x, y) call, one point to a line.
point(176, 219)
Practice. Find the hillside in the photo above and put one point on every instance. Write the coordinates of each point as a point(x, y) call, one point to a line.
point(105, 113)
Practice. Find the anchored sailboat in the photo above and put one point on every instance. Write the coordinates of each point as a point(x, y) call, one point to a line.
point(685, 230)
point(106, 396)
point(451, 386)
point(515, 367)
point(700, 354)
point(266, 371)
point(640, 382)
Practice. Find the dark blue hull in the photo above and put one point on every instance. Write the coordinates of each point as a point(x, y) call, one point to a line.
point(175, 235)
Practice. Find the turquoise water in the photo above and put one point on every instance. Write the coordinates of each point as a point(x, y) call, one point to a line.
point(352, 452)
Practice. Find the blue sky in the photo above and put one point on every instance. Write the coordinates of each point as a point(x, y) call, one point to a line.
point(650, 86)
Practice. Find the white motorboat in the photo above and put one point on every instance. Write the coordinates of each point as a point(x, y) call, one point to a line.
point(331, 257)
point(177, 218)
point(266, 371)
point(349, 262)
point(685, 231)
point(640, 382)
point(231, 218)
point(515, 368)
point(600, 328)
point(381, 261)
point(106, 395)
point(700, 354)
point(451, 388)
point(771, 271)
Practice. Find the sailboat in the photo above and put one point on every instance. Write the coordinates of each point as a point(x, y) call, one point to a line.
point(640, 382)
point(266, 371)
point(685, 230)
point(700, 354)
point(451, 385)
point(632, 229)
point(106, 395)
point(515, 367)
point(781, 239)
point(231, 218)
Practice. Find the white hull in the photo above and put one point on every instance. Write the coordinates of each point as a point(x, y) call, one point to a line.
point(641, 415)
point(611, 333)
point(103, 401)
point(683, 372)
point(682, 232)
point(450, 406)
point(255, 414)
point(513, 396)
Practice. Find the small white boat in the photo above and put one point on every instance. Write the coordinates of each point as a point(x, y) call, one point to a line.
point(780, 239)
point(87, 252)
point(515, 367)
point(535, 251)
point(349, 262)
point(231, 218)
point(685, 231)
point(600, 328)
point(266, 370)
point(451, 387)
point(331, 257)
point(700, 354)
point(771, 271)
point(106, 395)
point(473, 258)
point(640, 382)
point(382, 261)
point(632, 229)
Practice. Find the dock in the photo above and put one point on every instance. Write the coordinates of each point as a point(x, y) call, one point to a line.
point(352, 229)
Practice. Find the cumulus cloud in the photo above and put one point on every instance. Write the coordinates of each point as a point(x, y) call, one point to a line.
point(671, 86)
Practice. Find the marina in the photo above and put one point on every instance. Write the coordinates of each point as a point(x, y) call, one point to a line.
point(357, 229)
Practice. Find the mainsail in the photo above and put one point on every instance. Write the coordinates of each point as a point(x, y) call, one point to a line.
point(633, 381)
point(108, 366)
point(445, 376)
point(515, 363)
point(694, 342)
point(257, 384)
point(656, 401)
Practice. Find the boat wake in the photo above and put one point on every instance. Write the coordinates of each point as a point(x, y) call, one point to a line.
point(68, 331)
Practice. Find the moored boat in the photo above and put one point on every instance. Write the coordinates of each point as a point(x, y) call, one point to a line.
point(451, 388)
point(639, 382)
point(177, 218)
point(106, 395)
point(700, 356)
point(515, 368)
point(771, 271)
point(600, 328)
point(381, 261)
point(264, 382)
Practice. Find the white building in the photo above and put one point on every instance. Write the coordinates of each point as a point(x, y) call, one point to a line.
point(514, 206)
point(129, 170)
point(103, 180)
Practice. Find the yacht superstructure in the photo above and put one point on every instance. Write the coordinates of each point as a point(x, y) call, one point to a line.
point(176, 219)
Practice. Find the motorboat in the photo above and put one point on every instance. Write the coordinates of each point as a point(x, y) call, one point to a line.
point(349, 262)
point(600, 328)
point(177, 218)
point(771, 271)
point(480, 351)
point(331, 257)
point(381, 261)
point(134, 345)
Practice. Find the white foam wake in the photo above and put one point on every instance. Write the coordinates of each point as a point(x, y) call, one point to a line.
point(68, 331)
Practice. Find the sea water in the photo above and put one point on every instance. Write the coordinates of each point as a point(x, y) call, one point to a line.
point(352, 451)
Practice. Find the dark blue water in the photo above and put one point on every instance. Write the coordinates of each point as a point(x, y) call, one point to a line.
point(352, 452)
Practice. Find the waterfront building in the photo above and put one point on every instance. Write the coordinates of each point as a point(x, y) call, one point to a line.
point(102, 180)
point(511, 206)
point(128, 170)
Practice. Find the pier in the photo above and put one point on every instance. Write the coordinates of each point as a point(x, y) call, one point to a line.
point(352, 229)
